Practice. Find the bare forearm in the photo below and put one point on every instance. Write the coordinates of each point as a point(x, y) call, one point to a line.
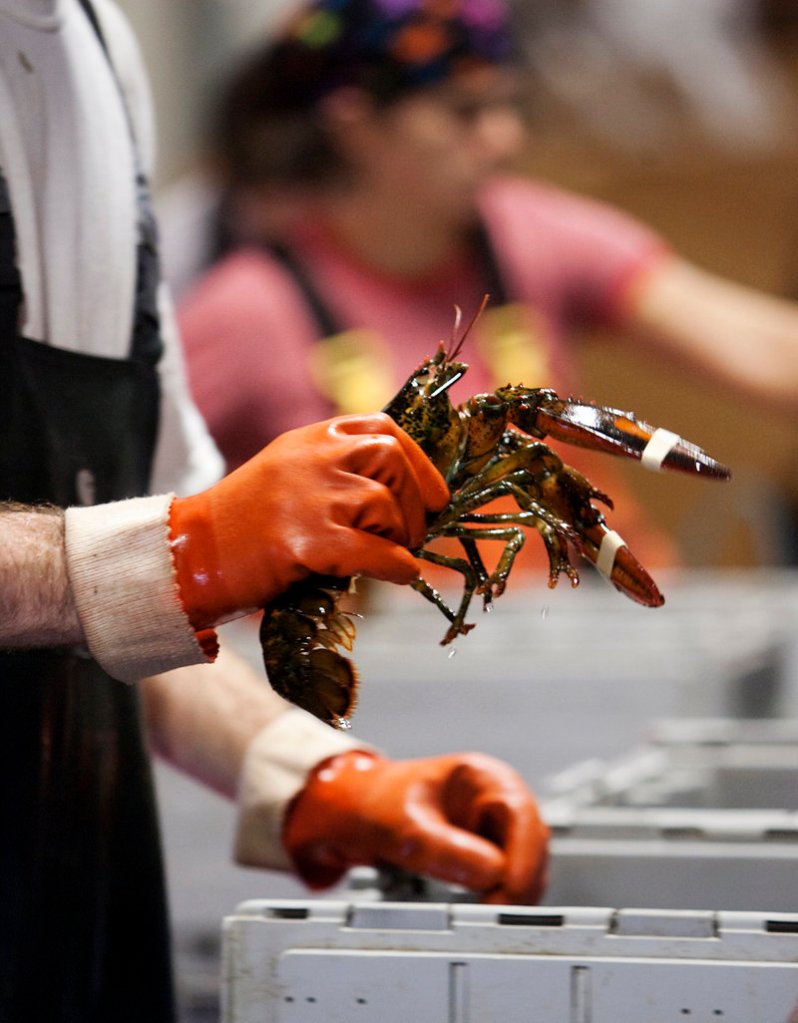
point(101, 576)
point(36, 605)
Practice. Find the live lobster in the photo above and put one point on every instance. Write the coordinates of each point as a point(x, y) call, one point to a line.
point(487, 447)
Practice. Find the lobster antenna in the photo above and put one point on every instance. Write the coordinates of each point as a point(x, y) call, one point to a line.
point(457, 318)
point(452, 347)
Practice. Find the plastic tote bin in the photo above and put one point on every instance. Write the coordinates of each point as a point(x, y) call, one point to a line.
point(705, 816)
point(289, 961)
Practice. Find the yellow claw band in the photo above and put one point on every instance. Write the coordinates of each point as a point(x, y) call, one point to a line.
point(658, 448)
point(611, 543)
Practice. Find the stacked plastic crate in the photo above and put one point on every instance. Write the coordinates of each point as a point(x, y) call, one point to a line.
point(674, 881)
point(694, 834)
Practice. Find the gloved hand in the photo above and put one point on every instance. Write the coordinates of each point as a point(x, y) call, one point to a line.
point(463, 818)
point(337, 498)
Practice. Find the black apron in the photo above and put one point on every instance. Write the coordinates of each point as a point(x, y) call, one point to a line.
point(83, 923)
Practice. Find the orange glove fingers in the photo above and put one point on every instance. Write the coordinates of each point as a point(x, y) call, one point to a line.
point(528, 894)
point(321, 865)
point(377, 510)
point(361, 553)
point(399, 464)
point(488, 797)
point(431, 846)
point(378, 464)
point(527, 853)
point(524, 839)
point(327, 498)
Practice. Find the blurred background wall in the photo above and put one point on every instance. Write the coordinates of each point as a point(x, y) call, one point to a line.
point(683, 112)
point(187, 46)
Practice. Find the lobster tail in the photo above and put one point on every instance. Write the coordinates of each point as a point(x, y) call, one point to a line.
point(299, 636)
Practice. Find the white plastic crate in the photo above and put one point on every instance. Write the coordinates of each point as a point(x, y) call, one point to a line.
point(295, 961)
point(724, 732)
point(699, 859)
point(705, 816)
point(691, 764)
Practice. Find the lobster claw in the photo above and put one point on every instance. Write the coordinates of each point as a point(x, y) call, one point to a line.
point(615, 561)
point(620, 433)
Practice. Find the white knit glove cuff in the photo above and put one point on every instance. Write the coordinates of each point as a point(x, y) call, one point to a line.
point(125, 588)
point(276, 766)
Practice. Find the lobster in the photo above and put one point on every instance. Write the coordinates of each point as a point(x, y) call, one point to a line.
point(488, 447)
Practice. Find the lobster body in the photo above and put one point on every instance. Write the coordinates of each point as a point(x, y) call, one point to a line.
point(488, 447)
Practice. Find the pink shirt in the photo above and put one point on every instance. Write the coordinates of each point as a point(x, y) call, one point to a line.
point(251, 342)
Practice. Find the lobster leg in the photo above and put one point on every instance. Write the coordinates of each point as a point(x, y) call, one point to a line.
point(469, 545)
point(458, 626)
point(497, 479)
point(475, 576)
point(554, 538)
point(493, 584)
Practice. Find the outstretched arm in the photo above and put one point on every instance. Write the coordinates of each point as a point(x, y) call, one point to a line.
point(744, 338)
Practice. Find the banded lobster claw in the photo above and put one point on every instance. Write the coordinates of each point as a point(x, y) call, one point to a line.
point(542, 413)
point(570, 496)
point(613, 559)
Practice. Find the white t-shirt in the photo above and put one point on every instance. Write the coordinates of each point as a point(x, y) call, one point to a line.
point(72, 184)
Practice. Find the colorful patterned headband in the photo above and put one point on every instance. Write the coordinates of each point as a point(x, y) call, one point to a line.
point(387, 47)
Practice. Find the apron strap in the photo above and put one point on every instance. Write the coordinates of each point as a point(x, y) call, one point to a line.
point(321, 311)
point(494, 282)
point(317, 305)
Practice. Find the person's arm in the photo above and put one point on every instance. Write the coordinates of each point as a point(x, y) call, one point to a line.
point(35, 596)
point(606, 268)
point(224, 726)
point(149, 577)
point(743, 338)
point(316, 801)
point(202, 719)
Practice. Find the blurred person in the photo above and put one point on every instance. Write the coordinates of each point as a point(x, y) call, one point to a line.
point(121, 585)
point(361, 192)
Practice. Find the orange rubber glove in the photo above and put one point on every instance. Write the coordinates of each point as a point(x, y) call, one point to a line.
point(343, 497)
point(463, 818)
